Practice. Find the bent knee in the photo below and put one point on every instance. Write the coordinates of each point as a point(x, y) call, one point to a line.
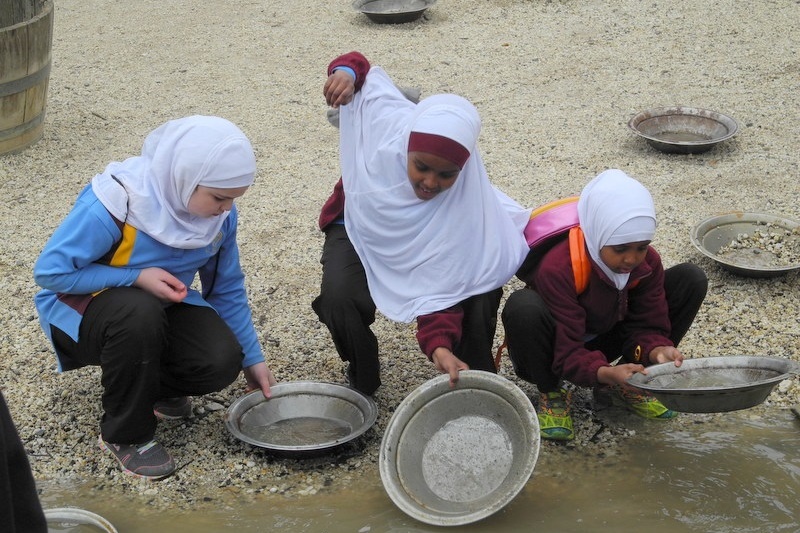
point(523, 304)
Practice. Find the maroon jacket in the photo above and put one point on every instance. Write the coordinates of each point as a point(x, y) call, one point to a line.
point(441, 329)
point(642, 309)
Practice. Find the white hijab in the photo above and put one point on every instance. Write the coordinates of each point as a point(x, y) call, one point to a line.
point(422, 256)
point(615, 209)
point(176, 158)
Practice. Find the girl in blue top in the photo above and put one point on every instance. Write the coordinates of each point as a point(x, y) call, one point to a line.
point(117, 278)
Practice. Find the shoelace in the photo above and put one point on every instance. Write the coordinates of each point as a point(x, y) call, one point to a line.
point(635, 396)
point(558, 401)
point(144, 447)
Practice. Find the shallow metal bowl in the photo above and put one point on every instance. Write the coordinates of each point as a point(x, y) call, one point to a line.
point(452, 456)
point(715, 384)
point(392, 11)
point(302, 418)
point(71, 518)
point(712, 235)
point(683, 130)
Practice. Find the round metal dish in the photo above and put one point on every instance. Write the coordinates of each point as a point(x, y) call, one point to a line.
point(67, 517)
point(712, 234)
point(683, 130)
point(452, 456)
point(303, 418)
point(715, 384)
point(392, 11)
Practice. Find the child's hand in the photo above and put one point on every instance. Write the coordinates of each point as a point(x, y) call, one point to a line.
point(665, 354)
point(259, 376)
point(447, 363)
point(339, 89)
point(161, 284)
point(618, 374)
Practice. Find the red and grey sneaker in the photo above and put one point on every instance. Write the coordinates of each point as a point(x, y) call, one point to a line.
point(149, 460)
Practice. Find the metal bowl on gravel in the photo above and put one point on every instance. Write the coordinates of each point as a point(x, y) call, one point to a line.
point(715, 384)
point(452, 456)
point(302, 418)
point(74, 519)
point(392, 11)
point(750, 244)
point(683, 130)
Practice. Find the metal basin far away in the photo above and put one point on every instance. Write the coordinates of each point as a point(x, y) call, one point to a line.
point(392, 11)
point(683, 130)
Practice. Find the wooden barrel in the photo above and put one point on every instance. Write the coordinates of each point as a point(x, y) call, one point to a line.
point(26, 37)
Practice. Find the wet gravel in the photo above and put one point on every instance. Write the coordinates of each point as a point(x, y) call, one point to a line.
point(767, 246)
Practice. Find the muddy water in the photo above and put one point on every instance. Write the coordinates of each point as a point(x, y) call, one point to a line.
point(734, 473)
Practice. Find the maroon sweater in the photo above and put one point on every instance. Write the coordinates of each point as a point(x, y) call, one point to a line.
point(642, 309)
point(440, 329)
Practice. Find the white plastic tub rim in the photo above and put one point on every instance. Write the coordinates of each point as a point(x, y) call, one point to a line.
point(73, 515)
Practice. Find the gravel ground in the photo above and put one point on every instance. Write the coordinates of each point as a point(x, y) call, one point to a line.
point(556, 83)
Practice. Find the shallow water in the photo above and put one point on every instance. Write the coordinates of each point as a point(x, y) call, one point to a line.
point(298, 431)
point(736, 473)
point(70, 527)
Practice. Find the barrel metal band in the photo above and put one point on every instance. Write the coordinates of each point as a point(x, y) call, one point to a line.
point(17, 131)
point(21, 84)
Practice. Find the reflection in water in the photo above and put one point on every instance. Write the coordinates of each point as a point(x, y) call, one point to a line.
point(66, 527)
point(732, 473)
point(751, 471)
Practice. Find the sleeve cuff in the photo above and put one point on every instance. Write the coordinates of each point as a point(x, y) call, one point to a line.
point(437, 342)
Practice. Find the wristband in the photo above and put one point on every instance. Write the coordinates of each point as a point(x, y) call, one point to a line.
point(346, 69)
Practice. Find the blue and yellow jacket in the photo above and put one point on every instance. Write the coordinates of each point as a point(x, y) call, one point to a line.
point(91, 251)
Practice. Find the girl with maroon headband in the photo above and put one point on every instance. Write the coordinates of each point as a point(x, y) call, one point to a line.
point(424, 235)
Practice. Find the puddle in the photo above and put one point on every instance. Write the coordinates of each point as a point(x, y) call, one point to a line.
point(734, 473)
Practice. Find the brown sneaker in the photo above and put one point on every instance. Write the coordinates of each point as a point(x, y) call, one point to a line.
point(173, 408)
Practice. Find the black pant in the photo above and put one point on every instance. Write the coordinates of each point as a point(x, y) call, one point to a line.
point(20, 509)
point(530, 328)
point(148, 351)
point(346, 308)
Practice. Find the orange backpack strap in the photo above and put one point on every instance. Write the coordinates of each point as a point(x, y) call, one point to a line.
point(559, 216)
point(499, 355)
point(581, 265)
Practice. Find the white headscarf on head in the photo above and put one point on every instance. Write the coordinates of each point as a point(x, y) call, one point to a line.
point(615, 209)
point(422, 256)
point(176, 158)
